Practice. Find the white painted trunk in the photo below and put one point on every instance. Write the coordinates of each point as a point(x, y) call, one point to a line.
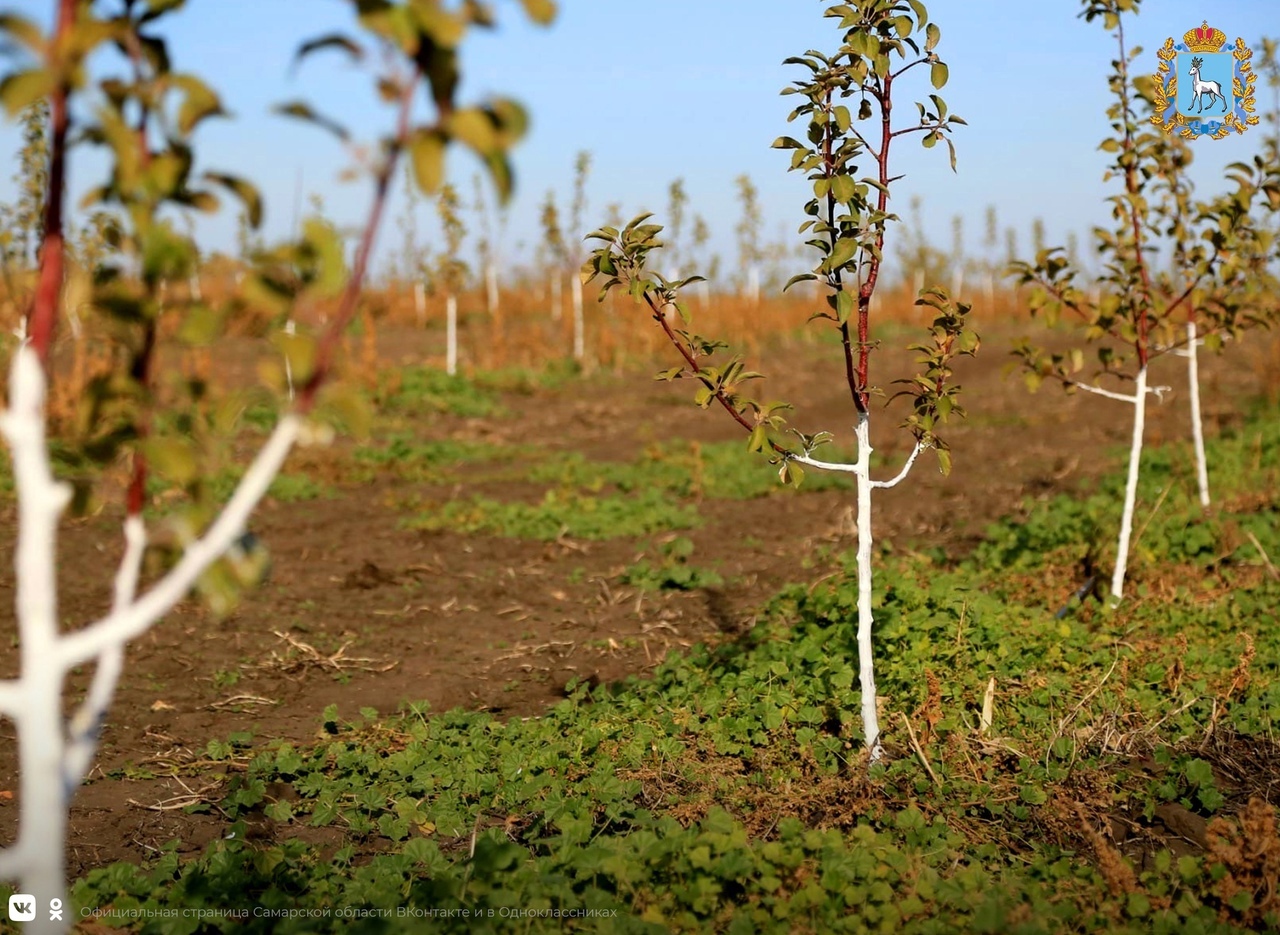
point(579, 324)
point(866, 664)
point(420, 304)
point(704, 294)
point(451, 334)
point(289, 328)
point(1197, 424)
point(989, 290)
point(491, 288)
point(557, 303)
point(753, 285)
point(52, 755)
point(1131, 484)
point(917, 281)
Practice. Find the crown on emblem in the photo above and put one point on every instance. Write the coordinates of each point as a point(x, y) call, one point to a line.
point(1204, 38)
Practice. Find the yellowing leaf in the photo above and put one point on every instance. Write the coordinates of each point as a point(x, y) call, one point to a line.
point(426, 153)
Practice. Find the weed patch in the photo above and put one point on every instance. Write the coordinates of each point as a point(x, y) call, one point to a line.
point(1089, 773)
point(562, 513)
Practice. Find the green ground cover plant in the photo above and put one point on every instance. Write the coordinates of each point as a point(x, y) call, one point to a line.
point(714, 470)
point(725, 793)
point(562, 512)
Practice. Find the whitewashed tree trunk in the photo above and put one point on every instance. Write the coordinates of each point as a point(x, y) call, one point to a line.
point(451, 334)
point(866, 661)
point(557, 303)
point(1197, 423)
point(491, 288)
point(420, 303)
point(579, 324)
point(1131, 484)
point(989, 290)
point(289, 328)
point(53, 755)
point(861, 470)
point(957, 281)
point(753, 285)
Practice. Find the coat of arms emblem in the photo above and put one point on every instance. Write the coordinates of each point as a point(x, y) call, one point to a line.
point(1202, 89)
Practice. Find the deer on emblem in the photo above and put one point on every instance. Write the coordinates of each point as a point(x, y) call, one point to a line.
point(1201, 88)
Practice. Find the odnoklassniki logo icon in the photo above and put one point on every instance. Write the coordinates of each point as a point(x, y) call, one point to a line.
point(22, 908)
point(1202, 89)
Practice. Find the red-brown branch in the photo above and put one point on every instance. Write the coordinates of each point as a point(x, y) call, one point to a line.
point(327, 349)
point(136, 496)
point(659, 315)
point(884, 97)
point(42, 317)
point(1131, 187)
point(846, 342)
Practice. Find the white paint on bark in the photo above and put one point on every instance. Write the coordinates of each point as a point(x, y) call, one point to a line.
point(1197, 422)
point(579, 322)
point(451, 334)
point(420, 303)
point(1139, 400)
point(54, 755)
point(491, 288)
point(861, 470)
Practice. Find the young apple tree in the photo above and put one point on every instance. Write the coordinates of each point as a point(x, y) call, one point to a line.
point(1132, 310)
point(883, 44)
point(146, 123)
point(1219, 273)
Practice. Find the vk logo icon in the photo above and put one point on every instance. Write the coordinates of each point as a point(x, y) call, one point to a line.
point(22, 908)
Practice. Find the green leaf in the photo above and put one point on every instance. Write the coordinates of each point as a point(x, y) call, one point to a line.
point(938, 74)
point(843, 188)
point(944, 466)
point(21, 89)
point(303, 111)
point(200, 103)
point(329, 41)
point(24, 30)
point(201, 326)
point(844, 250)
point(541, 12)
point(473, 127)
point(173, 458)
point(243, 189)
point(426, 154)
point(932, 34)
point(844, 306)
point(157, 8)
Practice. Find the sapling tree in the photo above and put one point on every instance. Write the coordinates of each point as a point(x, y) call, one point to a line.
point(883, 44)
point(1128, 312)
point(451, 270)
point(32, 178)
point(557, 250)
point(146, 124)
point(677, 202)
point(748, 231)
point(1219, 254)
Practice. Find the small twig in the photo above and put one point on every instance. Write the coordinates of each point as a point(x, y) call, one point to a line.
point(1152, 515)
point(1266, 559)
point(915, 745)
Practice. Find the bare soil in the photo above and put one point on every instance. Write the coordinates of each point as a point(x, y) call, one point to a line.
point(361, 612)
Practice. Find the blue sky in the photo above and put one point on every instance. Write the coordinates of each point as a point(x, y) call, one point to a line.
point(665, 89)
